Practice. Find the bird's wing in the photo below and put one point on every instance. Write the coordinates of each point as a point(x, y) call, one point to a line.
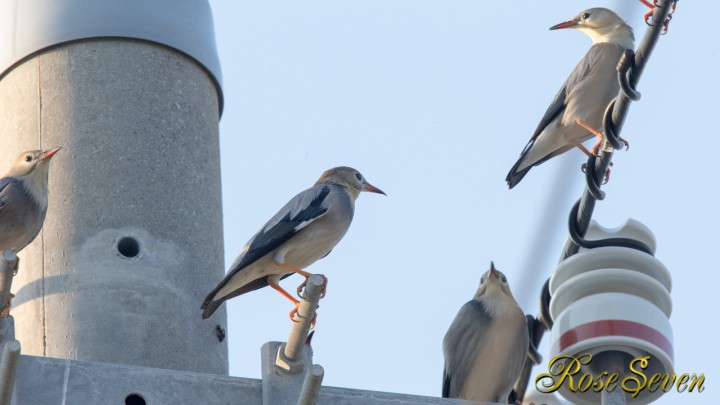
point(556, 109)
point(461, 347)
point(302, 210)
point(5, 188)
point(299, 212)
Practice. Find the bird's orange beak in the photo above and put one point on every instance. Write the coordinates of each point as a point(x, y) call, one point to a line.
point(49, 153)
point(566, 24)
point(369, 187)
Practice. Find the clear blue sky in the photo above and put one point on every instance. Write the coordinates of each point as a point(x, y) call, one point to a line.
point(433, 101)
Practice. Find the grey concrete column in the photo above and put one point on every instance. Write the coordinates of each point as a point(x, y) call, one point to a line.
point(133, 237)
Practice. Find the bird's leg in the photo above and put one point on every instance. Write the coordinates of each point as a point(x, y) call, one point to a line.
point(583, 167)
point(600, 137)
point(649, 14)
point(582, 148)
point(6, 311)
point(595, 132)
point(304, 274)
point(272, 283)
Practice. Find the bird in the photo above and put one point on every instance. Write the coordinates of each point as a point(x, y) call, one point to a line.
point(24, 198)
point(305, 230)
point(487, 344)
point(23, 203)
point(577, 110)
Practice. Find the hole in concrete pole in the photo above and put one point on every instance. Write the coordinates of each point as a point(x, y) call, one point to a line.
point(128, 246)
point(134, 399)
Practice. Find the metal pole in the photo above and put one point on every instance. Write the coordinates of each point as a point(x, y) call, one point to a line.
point(612, 362)
point(306, 314)
point(8, 265)
point(8, 369)
point(311, 385)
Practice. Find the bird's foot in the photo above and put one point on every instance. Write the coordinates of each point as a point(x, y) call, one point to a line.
point(294, 316)
point(597, 146)
point(593, 131)
point(625, 142)
point(304, 283)
point(6, 311)
point(583, 167)
point(600, 137)
point(647, 16)
point(294, 312)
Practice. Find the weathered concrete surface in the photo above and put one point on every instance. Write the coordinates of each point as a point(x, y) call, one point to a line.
point(57, 381)
point(138, 123)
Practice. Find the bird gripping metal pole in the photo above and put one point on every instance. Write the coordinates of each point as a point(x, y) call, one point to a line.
point(290, 354)
point(630, 68)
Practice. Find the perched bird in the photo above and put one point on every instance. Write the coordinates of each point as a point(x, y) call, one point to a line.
point(486, 345)
point(304, 230)
point(23, 203)
point(24, 198)
point(583, 98)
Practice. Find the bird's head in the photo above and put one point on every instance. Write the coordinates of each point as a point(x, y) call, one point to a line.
point(32, 163)
point(493, 284)
point(350, 179)
point(602, 25)
point(32, 168)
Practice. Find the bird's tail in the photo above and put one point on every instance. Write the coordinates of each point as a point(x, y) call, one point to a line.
point(514, 176)
point(209, 307)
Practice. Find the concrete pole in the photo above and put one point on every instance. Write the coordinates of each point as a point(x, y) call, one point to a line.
point(133, 237)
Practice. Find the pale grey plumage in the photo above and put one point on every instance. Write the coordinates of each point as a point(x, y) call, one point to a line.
point(304, 230)
point(24, 198)
point(486, 345)
point(584, 96)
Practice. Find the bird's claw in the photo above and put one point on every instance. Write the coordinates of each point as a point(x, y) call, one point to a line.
point(304, 283)
point(295, 312)
point(625, 142)
point(583, 167)
point(648, 16)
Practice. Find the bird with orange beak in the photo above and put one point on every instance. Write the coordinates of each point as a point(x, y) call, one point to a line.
point(305, 230)
point(575, 114)
point(24, 198)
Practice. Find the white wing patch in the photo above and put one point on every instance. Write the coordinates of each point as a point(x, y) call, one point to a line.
point(306, 223)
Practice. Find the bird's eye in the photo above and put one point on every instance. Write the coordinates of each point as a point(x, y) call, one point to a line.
point(358, 176)
point(482, 279)
point(28, 158)
point(586, 16)
point(504, 279)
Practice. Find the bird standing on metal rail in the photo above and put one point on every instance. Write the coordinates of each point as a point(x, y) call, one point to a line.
point(486, 345)
point(24, 198)
point(304, 230)
point(576, 112)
